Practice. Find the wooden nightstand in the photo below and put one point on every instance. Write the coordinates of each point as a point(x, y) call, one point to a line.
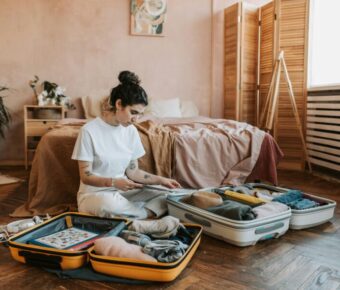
point(37, 121)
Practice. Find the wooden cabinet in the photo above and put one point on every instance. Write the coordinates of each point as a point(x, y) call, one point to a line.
point(240, 65)
point(37, 121)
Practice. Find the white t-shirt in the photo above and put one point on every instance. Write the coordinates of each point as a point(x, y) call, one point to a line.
point(109, 148)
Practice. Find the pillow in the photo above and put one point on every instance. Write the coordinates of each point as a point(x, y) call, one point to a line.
point(168, 108)
point(93, 106)
point(189, 109)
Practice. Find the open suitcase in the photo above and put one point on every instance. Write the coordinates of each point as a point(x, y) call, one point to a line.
point(306, 218)
point(245, 233)
point(237, 232)
point(25, 251)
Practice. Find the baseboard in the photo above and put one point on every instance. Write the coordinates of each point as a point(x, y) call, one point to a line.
point(286, 165)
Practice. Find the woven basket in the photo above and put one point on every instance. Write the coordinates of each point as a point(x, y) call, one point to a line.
point(49, 113)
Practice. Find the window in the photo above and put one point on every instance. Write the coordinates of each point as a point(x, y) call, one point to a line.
point(324, 44)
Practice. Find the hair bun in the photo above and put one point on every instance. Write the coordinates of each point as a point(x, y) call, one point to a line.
point(127, 77)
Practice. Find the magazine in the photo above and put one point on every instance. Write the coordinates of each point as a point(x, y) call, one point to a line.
point(65, 239)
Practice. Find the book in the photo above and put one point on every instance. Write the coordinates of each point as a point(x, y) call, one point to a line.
point(65, 239)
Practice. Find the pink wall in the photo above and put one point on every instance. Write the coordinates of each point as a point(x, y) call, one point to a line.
point(83, 45)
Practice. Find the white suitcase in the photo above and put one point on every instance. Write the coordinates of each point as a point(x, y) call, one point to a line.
point(306, 218)
point(239, 233)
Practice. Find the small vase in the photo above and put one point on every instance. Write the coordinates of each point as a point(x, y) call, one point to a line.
point(41, 101)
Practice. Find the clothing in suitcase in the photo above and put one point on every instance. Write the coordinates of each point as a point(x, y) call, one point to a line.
point(237, 232)
point(65, 242)
point(149, 271)
point(303, 218)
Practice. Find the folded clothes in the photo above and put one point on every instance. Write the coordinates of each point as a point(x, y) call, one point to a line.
point(303, 204)
point(294, 199)
point(246, 189)
point(135, 238)
point(184, 235)
point(165, 250)
point(160, 228)
point(240, 197)
point(289, 196)
point(269, 209)
point(266, 194)
point(117, 247)
point(233, 210)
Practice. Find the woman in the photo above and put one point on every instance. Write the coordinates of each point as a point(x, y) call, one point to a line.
point(107, 150)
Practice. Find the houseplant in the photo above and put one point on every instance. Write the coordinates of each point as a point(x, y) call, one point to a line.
point(5, 116)
point(51, 94)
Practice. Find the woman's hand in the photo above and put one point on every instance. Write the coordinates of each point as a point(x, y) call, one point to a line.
point(125, 184)
point(170, 183)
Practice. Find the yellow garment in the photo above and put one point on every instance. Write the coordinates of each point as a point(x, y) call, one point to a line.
point(241, 197)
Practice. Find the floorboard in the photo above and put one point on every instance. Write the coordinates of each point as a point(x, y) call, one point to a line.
point(301, 259)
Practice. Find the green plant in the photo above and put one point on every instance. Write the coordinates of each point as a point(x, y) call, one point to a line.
point(5, 116)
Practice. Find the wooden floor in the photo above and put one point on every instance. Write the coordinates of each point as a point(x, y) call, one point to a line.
point(306, 259)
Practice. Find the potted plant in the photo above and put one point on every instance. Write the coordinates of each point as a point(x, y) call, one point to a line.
point(51, 95)
point(5, 116)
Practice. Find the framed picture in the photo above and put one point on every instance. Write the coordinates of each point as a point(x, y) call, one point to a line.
point(148, 17)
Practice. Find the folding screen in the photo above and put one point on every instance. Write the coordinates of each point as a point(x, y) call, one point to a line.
point(253, 39)
point(241, 37)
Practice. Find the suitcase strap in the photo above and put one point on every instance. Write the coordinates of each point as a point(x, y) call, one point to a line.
point(41, 260)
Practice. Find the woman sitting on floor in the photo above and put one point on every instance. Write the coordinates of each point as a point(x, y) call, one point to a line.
point(107, 150)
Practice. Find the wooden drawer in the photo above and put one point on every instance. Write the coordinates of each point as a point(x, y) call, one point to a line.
point(38, 128)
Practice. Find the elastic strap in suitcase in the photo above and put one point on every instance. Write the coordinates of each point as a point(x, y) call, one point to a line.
point(87, 273)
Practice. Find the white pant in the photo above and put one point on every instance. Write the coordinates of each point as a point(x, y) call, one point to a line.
point(132, 203)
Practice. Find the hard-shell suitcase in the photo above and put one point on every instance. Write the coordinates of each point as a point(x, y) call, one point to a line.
point(237, 232)
point(24, 251)
point(151, 271)
point(306, 218)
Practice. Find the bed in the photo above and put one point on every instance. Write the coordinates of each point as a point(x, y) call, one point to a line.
point(197, 151)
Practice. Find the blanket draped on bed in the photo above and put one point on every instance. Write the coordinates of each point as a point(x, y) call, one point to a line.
point(198, 153)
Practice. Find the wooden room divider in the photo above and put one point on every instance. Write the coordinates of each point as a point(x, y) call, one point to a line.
point(251, 47)
point(240, 66)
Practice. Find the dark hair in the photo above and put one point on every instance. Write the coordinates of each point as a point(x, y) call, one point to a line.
point(129, 90)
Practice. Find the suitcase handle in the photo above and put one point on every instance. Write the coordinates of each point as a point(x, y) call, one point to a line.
point(197, 220)
point(41, 260)
point(263, 230)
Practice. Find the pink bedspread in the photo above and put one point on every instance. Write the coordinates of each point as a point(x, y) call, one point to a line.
point(198, 152)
